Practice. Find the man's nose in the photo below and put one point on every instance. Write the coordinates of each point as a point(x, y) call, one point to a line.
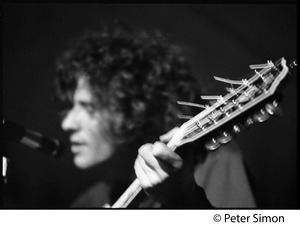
point(70, 122)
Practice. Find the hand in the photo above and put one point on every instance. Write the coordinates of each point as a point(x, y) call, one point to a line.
point(163, 174)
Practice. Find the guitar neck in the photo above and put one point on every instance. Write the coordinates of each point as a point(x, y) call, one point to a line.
point(129, 196)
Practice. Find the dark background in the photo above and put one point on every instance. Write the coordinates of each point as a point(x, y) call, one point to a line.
point(222, 40)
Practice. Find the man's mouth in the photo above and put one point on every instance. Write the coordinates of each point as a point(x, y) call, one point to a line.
point(76, 146)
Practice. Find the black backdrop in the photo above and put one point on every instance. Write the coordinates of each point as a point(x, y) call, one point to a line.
point(222, 39)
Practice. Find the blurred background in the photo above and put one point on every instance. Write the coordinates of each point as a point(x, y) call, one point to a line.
point(221, 39)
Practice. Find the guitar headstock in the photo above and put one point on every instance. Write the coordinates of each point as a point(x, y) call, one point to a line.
point(239, 103)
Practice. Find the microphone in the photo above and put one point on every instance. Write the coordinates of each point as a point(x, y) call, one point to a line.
point(33, 139)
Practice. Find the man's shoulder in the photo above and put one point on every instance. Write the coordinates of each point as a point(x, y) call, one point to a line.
point(96, 196)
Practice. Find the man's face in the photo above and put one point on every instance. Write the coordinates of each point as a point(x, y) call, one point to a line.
point(84, 123)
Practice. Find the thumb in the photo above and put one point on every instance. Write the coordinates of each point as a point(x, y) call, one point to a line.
point(168, 136)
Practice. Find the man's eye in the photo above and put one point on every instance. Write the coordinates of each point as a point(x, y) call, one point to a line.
point(90, 108)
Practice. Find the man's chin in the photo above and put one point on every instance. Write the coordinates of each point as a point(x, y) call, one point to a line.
point(81, 163)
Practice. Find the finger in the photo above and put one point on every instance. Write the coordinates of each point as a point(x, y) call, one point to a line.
point(158, 162)
point(145, 152)
point(155, 175)
point(168, 136)
point(141, 175)
point(164, 154)
point(153, 165)
point(147, 146)
point(146, 175)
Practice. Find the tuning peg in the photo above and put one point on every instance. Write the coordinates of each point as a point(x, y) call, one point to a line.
point(211, 145)
point(293, 64)
point(191, 104)
point(273, 108)
point(224, 137)
point(228, 81)
point(236, 128)
point(261, 66)
point(249, 121)
point(261, 116)
point(184, 117)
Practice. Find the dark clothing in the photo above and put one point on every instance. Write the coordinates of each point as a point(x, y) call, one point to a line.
point(222, 175)
point(98, 196)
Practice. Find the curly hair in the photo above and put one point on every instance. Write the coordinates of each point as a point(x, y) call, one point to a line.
point(137, 74)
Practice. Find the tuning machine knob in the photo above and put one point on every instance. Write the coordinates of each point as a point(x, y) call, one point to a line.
point(261, 116)
point(212, 144)
point(249, 121)
point(236, 128)
point(225, 137)
point(273, 108)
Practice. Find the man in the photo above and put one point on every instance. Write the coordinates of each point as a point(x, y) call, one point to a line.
point(119, 90)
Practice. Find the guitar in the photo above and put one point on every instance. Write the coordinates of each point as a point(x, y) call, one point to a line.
point(258, 92)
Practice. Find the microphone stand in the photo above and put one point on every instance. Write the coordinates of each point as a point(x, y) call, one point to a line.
point(5, 160)
point(4, 169)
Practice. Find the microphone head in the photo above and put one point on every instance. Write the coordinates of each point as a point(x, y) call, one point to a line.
point(32, 139)
point(51, 147)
